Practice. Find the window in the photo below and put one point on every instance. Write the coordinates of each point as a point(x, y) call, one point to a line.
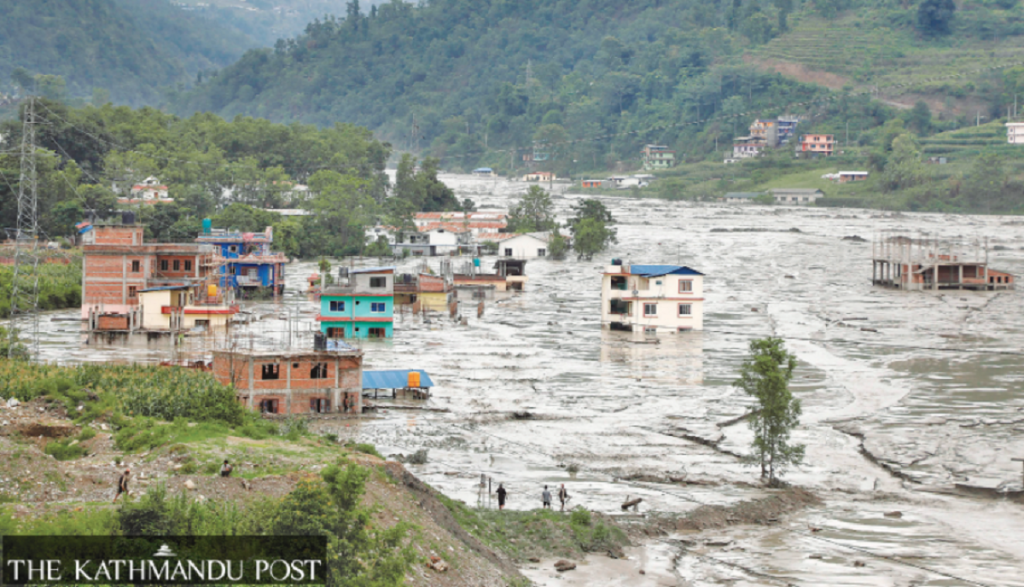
point(188, 265)
point(685, 286)
point(657, 282)
point(335, 333)
point(650, 309)
point(133, 291)
point(338, 306)
point(319, 371)
point(271, 371)
point(233, 249)
point(177, 265)
point(685, 310)
point(378, 307)
point(542, 252)
point(268, 406)
point(378, 333)
point(163, 265)
point(378, 282)
point(136, 266)
point(508, 252)
point(320, 406)
point(650, 330)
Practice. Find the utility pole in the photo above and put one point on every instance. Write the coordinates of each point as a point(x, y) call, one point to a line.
point(25, 281)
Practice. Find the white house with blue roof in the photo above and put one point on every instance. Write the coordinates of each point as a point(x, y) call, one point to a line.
point(652, 298)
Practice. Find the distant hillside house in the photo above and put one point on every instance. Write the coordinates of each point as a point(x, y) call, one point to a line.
point(657, 157)
point(848, 176)
point(741, 197)
point(814, 145)
point(767, 130)
point(796, 196)
point(747, 147)
point(590, 183)
point(148, 191)
point(1015, 133)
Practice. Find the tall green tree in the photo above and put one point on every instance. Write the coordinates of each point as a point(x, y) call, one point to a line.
point(765, 376)
point(904, 168)
point(591, 237)
point(534, 212)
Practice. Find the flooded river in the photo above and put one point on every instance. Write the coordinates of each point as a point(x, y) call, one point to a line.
point(911, 399)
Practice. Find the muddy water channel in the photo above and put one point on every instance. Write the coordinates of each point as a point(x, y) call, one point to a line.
point(912, 401)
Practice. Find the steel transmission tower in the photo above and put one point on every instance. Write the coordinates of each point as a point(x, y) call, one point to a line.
point(25, 281)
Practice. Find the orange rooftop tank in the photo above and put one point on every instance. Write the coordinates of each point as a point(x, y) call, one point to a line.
point(414, 378)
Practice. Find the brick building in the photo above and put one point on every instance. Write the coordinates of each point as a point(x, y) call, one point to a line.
point(118, 265)
point(294, 382)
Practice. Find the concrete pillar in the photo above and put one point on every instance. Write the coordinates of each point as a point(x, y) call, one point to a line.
point(960, 284)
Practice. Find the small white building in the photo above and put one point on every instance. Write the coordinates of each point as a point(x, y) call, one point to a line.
point(652, 298)
point(525, 246)
point(796, 196)
point(430, 243)
point(1015, 133)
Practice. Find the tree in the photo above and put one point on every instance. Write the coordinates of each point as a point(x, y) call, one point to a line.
point(904, 168)
point(765, 376)
point(359, 552)
point(591, 237)
point(986, 183)
point(594, 210)
point(378, 248)
point(934, 16)
point(558, 246)
point(533, 213)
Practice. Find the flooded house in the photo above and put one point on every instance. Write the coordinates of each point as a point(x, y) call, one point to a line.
point(129, 285)
point(431, 292)
point(249, 264)
point(902, 262)
point(531, 245)
point(652, 298)
point(326, 379)
point(361, 305)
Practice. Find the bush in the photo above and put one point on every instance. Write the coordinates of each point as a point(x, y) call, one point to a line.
point(294, 427)
point(87, 433)
point(63, 450)
point(369, 449)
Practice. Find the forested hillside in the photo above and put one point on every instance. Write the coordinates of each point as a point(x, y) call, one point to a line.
point(594, 79)
point(130, 49)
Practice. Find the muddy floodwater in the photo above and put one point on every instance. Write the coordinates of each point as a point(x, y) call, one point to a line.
point(912, 401)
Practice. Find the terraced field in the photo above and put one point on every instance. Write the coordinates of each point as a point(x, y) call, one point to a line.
point(891, 62)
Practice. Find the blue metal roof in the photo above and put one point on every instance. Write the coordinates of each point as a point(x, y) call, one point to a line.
point(658, 270)
point(372, 270)
point(165, 288)
point(396, 379)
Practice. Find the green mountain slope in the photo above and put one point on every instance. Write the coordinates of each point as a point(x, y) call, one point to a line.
point(480, 83)
point(133, 48)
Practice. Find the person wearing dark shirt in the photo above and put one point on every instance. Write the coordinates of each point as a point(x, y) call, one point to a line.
point(122, 484)
point(502, 494)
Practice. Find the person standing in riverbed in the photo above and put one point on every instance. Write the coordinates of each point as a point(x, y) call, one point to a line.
point(545, 497)
point(501, 496)
point(563, 496)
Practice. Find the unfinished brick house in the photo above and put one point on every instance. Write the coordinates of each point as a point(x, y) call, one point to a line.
point(294, 382)
point(923, 263)
point(117, 266)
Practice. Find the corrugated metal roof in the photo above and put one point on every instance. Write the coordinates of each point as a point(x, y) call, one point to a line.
point(657, 270)
point(395, 379)
point(165, 288)
point(372, 270)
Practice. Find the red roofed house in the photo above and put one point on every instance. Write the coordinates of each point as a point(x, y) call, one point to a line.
point(149, 191)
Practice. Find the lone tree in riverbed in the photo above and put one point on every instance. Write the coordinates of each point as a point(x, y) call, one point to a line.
point(765, 375)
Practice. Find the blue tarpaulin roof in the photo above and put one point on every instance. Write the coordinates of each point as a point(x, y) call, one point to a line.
point(657, 270)
point(396, 379)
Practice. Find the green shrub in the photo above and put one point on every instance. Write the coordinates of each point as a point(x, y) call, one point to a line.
point(63, 450)
point(365, 448)
point(87, 433)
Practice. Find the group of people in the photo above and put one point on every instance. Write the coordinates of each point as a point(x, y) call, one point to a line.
point(122, 481)
point(545, 496)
